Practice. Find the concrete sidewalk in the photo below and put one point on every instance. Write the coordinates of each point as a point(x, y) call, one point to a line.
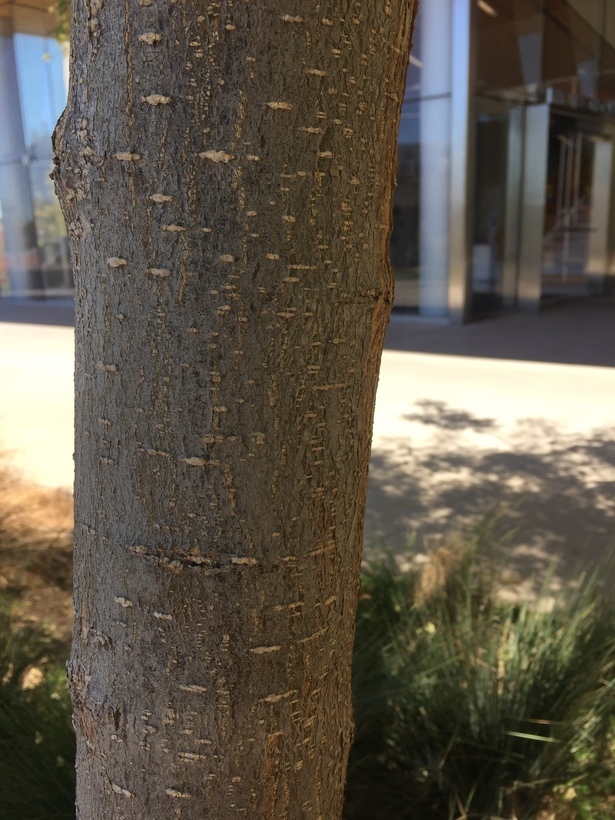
point(459, 438)
point(36, 406)
point(456, 437)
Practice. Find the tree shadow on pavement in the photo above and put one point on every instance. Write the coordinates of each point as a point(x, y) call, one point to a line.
point(551, 489)
point(438, 414)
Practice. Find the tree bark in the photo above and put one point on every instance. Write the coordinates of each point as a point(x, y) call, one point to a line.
point(225, 171)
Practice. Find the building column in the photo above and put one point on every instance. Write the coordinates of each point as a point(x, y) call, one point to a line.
point(532, 228)
point(463, 141)
point(446, 139)
point(434, 130)
point(23, 260)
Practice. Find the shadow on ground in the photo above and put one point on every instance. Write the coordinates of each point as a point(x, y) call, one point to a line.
point(552, 489)
point(575, 331)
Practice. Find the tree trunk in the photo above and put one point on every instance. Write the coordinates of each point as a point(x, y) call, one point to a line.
point(225, 171)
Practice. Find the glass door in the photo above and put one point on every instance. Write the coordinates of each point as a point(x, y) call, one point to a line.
point(497, 195)
point(489, 207)
point(574, 253)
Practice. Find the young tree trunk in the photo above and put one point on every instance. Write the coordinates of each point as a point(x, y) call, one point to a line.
point(225, 171)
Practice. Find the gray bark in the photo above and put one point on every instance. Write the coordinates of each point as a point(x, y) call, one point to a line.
point(225, 171)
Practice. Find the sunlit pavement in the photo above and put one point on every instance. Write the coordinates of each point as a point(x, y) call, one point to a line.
point(456, 437)
point(36, 407)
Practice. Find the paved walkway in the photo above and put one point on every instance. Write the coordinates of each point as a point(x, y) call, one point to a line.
point(511, 415)
point(36, 406)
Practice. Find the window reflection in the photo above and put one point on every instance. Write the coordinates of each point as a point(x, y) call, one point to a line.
point(34, 260)
point(405, 238)
point(526, 46)
point(488, 251)
point(419, 244)
point(560, 52)
point(42, 91)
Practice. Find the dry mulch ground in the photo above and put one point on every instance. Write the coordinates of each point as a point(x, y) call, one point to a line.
point(36, 554)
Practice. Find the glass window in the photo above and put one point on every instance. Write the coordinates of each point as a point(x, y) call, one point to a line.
point(526, 46)
point(419, 244)
point(490, 193)
point(509, 59)
point(571, 48)
point(4, 269)
point(34, 260)
point(42, 90)
point(405, 238)
point(413, 77)
point(50, 232)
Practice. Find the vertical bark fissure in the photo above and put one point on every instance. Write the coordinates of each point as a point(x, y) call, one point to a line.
point(225, 171)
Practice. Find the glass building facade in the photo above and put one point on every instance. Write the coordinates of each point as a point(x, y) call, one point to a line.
point(34, 259)
point(505, 185)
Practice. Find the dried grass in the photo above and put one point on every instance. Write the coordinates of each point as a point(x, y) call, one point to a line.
point(31, 515)
point(35, 553)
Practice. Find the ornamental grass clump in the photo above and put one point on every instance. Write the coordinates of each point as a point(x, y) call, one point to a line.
point(468, 707)
point(37, 742)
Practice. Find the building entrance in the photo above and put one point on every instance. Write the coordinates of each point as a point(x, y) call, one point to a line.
point(575, 244)
point(542, 200)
